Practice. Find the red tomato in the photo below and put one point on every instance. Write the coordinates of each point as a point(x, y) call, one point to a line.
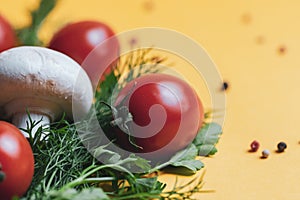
point(17, 162)
point(77, 40)
point(7, 36)
point(167, 115)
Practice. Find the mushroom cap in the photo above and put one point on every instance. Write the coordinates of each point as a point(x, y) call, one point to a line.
point(41, 74)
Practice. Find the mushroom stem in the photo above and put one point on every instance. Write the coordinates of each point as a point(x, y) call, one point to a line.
point(21, 120)
point(39, 110)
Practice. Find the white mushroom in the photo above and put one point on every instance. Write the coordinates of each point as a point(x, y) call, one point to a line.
point(42, 82)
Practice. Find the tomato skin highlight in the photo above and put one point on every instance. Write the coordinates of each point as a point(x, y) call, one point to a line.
point(167, 111)
point(8, 38)
point(17, 161)
point(79, 39)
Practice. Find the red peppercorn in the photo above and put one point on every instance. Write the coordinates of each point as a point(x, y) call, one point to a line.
point(254, 146)
point(282, 50)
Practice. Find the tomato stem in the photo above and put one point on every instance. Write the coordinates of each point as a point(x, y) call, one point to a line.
point(2, 176)
point(122, 119)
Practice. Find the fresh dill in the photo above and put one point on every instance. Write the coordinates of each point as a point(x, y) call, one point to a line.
point(65, 169)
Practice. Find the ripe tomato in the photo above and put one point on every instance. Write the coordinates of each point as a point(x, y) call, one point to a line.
point(77, 40)
point(7, 36)
point(167, 115)
point(17, 162)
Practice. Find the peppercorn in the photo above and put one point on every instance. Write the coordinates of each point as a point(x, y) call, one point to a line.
point(225, 86)
point(254, 146)
point(281, 146)
point(265, 153)
point(282, 50)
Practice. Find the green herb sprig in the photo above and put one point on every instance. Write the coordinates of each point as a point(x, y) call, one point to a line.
point(29, 35)
point(65, 169)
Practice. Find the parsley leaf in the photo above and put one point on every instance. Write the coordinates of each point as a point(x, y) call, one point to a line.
point(207, 138)
point(186, 158)
point(72, 194)
point(183, 162)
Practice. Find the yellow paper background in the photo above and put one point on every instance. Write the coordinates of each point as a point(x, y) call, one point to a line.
point(243, 38)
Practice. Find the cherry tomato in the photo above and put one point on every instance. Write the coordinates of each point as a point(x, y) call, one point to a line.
point(77, 40)
point(7, 36)
point(17, 162)
point(166, 112)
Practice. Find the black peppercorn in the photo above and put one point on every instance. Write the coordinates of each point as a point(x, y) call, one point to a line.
point(281, 146)
point(225, 86)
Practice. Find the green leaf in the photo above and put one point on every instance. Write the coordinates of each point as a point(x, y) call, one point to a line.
point(192, 165)
point(29, 35)
point(106, 88)
point(186, 159)
point(207, 138)
point(178, 170)
point(186, 154)
point(150, 185)
point(132, 162)
point(85, 194)
point(101, 153)
point(135, 163)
